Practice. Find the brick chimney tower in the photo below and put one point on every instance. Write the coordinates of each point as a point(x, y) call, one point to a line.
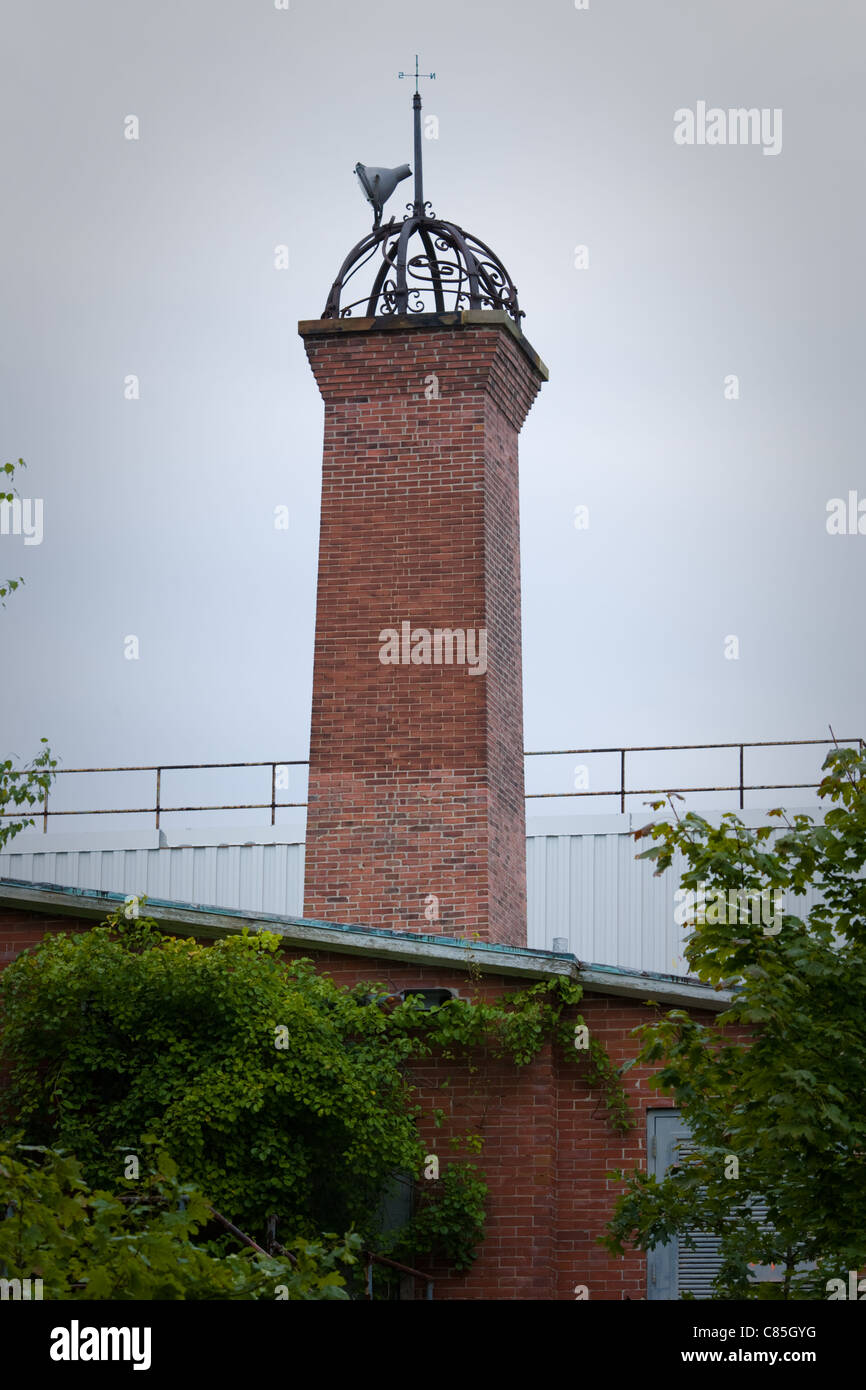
point(415, 807)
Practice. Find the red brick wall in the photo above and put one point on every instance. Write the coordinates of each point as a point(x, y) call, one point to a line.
point(548, 1147)
point(416, 771)
point(19, 929)
point(588, 1149)
point(514, 1109)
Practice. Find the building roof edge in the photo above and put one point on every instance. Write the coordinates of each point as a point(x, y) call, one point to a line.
point(196, 919)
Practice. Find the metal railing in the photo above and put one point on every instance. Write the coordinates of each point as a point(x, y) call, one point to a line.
point(159, 808)
point(406, 1270)
point(740, 786)
point(622, 791)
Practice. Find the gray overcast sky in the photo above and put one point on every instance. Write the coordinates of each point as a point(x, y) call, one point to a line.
point(156, 257)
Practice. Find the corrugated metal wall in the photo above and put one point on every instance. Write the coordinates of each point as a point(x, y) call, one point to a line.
point(590, 889)
point(584, 886)
point(259, 878)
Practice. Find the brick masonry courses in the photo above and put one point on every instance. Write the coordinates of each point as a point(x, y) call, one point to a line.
point(416, 771)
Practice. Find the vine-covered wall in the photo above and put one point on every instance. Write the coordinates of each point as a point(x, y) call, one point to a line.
point(539, 1135)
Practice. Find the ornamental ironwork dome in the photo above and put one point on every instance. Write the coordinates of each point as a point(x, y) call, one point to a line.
point(422, 264)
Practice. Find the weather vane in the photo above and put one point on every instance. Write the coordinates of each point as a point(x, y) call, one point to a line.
point(377, 184)
point(425, 264)
point(416, 74)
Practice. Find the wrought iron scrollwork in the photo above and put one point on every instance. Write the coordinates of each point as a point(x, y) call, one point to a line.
point(449, 270)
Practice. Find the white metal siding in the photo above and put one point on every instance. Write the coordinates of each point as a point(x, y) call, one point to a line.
point(263, 878)
point(592, 891)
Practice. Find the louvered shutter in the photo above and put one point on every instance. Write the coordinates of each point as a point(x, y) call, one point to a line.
point(673, 1270)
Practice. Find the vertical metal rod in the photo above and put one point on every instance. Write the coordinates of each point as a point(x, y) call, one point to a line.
point(45, 814)
point(273, 793)
point(158, 779)
point(622, 779)
point(419, 178)
point(741, 776)
point(429, 1293)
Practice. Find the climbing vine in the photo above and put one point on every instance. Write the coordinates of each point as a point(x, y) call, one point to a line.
point(448, 1223)
point(517, 1026)
point(449, 1219)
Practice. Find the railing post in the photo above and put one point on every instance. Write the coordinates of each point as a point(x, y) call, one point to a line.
point(741, 776)
point(622, 779)
point(45, 814)
point(273, 793)
point(158, 781)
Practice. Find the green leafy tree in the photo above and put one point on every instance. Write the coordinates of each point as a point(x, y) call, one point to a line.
point(146, 1242)
point(23, 787)
point(777, 1082)
point(279, 1093)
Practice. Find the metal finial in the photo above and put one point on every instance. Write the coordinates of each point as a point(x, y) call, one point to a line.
point(418, 208)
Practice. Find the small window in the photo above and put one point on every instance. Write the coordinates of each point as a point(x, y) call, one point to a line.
point(430, 998)
point(396, 1203)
